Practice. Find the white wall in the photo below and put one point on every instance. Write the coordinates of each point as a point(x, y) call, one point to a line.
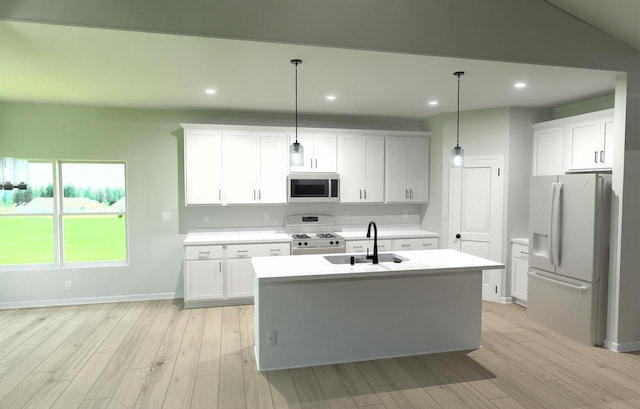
point(150, 141)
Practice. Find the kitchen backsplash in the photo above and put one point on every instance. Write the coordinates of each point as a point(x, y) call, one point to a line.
point(217, 217)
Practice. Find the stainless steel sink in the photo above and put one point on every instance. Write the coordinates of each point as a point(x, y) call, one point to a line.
point(361, 258)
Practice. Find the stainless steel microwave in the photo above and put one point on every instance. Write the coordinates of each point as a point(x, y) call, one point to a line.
point(313, 187)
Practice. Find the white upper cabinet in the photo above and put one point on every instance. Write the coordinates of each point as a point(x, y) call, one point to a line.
point(406, 170)
point(361, 168)
point(255, 167)
point(574, 144)
point(547, 150)
point(202, 167)
point(319, 152)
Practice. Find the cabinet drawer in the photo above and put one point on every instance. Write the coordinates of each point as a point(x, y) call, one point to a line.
point(202, 252)
point(258, 250)
point(361, 246)
point(520, 251)
point(416, 244)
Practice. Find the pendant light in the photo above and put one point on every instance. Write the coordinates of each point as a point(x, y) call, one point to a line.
point(296, 150)
point(457, 153)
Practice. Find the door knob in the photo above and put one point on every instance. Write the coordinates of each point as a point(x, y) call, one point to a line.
point(458, 236)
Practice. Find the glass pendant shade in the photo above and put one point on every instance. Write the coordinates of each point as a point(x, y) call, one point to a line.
point(457, 157)
point(296, 154)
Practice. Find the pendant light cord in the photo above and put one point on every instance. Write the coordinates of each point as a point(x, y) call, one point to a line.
point(296, 62)
point(458, 74)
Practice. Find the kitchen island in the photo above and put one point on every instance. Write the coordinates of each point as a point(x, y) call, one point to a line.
point(310, 312)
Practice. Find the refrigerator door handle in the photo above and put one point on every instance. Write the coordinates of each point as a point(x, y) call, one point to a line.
point(562, 283)
point(554, 229)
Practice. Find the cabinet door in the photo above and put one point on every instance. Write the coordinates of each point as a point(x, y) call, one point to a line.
point(519, 268)
point(374, 169)
point(239, 274)
point(606, 155)
point(584, 140)
point(203, 167)
point(306, 141)
point(418, 169)
point(395, 177)
point(351, 166)
point(324, 153)
point(547, 151)
point(241, 166)
point(273, 170)
point(203, 280)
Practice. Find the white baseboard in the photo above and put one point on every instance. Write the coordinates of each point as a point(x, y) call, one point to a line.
point(506, 300)
point(623, 347)
point(88, 300)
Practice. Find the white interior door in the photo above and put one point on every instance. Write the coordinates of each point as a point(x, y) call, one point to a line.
point(476, 209)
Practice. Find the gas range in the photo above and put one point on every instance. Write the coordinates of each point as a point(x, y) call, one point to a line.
point(312, 234)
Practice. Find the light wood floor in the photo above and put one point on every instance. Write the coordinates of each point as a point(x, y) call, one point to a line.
point(157, 355)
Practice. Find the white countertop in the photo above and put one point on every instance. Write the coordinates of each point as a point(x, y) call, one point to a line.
point(313, 267)
point(520, 240)
point(224, 237)
point(386, 233)
point(272, 236)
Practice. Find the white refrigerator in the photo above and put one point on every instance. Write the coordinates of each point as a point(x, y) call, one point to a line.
point(569, 219)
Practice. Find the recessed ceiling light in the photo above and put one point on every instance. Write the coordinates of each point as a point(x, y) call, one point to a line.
point(433, 103)
point(210, 91)
point(520, 84)
point(331, 97)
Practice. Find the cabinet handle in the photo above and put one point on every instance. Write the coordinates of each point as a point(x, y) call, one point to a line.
point(406, 194)
point(203, 254)
point(254, 194)
point(357, 247)
point(405, 245)
point(220, 267)
point(410, 193)
point(595, 156)
point(316, 163)
point(219, 194)
point(381, 247)
point(601, 156)
point(360, 193)
point(275, 252)
point(311, 163)
point(241, 253)
point(427, 244)
point(365, 194)
point(526, 253)
point(259, 194)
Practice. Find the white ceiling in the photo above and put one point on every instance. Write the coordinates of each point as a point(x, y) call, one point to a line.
point(618, 18)
point(93, 66)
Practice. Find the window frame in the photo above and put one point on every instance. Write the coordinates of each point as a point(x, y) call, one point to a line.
point(58, 215)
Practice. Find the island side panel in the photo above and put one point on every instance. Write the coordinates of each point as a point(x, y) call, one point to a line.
point(320, 322)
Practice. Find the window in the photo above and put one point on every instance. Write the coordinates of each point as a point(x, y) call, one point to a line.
point(27, 219)
point(77, 217)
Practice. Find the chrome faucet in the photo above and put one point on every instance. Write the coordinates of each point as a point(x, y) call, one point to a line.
point(374, 257)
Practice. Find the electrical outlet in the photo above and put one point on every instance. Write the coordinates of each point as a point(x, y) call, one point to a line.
point(67, 285)
point(271, 337)
point(205, 218)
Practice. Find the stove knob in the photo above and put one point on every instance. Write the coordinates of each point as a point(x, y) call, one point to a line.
point(299, 244)
point(305, 243)
point(337, 242)
point(331, 242)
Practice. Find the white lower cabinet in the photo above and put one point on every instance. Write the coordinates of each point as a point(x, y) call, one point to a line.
point(211, 279)
point(430, 243)
point(519, 269)
point(203, 278)
point(361, 246)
